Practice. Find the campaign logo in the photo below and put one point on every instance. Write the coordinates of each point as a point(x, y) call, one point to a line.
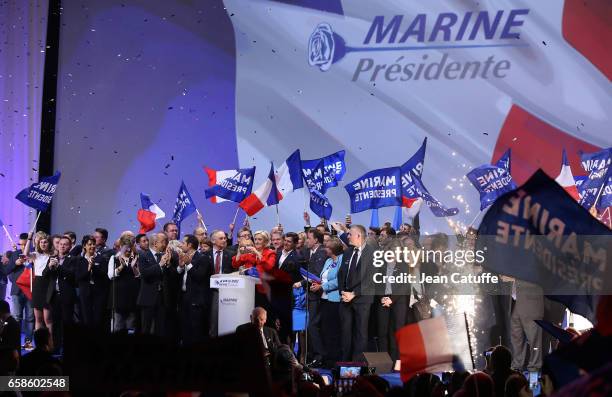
point(321, 47)
point(442, 32)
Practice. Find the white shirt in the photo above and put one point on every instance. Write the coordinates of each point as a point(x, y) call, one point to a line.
point(220, 260)
point(283, 256)
point(263, 337)
point(323, 281)
point(186, 270)
point(40, 263)
point(312, 251)
point(359, 249)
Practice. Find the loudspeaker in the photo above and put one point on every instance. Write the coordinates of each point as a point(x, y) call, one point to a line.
point(381, 361)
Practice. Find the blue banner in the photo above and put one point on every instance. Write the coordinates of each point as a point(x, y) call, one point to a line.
point(376, 189)
point(40, 194)
point(320, 205)
point(374, 221)
point(539, 234)
point(492, 181)
point(321, 174)
point(598, 185)
point(414, 165)
point(184, 205)
point(235, 188)
point(436, 207)
point(397, 219)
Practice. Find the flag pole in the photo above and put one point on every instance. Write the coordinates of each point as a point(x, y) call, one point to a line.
point(477, 215)
point(9, 236)
point(36, 221)
point(203, 224)
point(277, 215)
point(32, 269)
point(236, 215)
point(593, 209)
point(306, 197)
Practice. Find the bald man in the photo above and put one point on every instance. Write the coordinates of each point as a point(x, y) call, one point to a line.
point(269, 337)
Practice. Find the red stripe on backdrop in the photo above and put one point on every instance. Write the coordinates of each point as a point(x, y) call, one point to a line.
point(251, 205)
point(411, 347)
point(537, 144)
point(587, 26)
point(212, 180)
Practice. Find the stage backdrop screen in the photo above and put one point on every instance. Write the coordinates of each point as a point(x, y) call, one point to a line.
point(151, 91)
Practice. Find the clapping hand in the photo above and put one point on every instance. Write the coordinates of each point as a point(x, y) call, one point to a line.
point(386, 301)
point(347, 296)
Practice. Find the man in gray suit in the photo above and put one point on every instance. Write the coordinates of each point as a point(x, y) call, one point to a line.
point(528, 306)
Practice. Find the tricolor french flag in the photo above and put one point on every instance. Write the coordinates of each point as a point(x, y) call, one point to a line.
point(217, 176)
point(149, 213)
point(287, 178)
point(566, 178)
point(429, 345)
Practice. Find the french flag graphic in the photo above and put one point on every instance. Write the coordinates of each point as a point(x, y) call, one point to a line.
point(287, 178)
point(215, 177)
point(566, 178)
point(149, 213)
point(265, 195)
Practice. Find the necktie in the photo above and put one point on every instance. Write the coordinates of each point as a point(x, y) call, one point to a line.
point(158, 256)
point(352, 263)
point(218, 262)
point(263, 337)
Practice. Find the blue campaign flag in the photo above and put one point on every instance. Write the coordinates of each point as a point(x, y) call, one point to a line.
point(310, 276)
point(539, 234)
point(374, 221)
point(320, 205)
point(375, 189)
point(597, 188)
point(40, 194)
point(414, 165)
point(321, 174)
point(436, 207)
point(235, 188)
point(184, 205)
point(397, 218)
point(492, 181)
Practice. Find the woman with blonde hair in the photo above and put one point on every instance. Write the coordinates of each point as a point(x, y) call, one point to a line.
point(42, 257)
point(258, 255)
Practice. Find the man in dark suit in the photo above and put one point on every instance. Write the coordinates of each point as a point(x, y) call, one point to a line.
point(159, 285)
point(528, 306)
point(22, 306)
point(269, 337)
point(288, 259)
point(101, 287)
point(194, 272)
point(314, 264)
point(219, 259)
point(62, 287)
point(357, 293)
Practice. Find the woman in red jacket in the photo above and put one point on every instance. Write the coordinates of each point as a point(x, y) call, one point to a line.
point(258, 255)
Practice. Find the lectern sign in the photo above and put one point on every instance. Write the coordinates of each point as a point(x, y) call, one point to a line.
point(227, 282)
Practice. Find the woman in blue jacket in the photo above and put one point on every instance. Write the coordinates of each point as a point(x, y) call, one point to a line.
point(330, 301)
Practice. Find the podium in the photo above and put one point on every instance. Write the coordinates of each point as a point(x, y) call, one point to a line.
point(236, 300)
